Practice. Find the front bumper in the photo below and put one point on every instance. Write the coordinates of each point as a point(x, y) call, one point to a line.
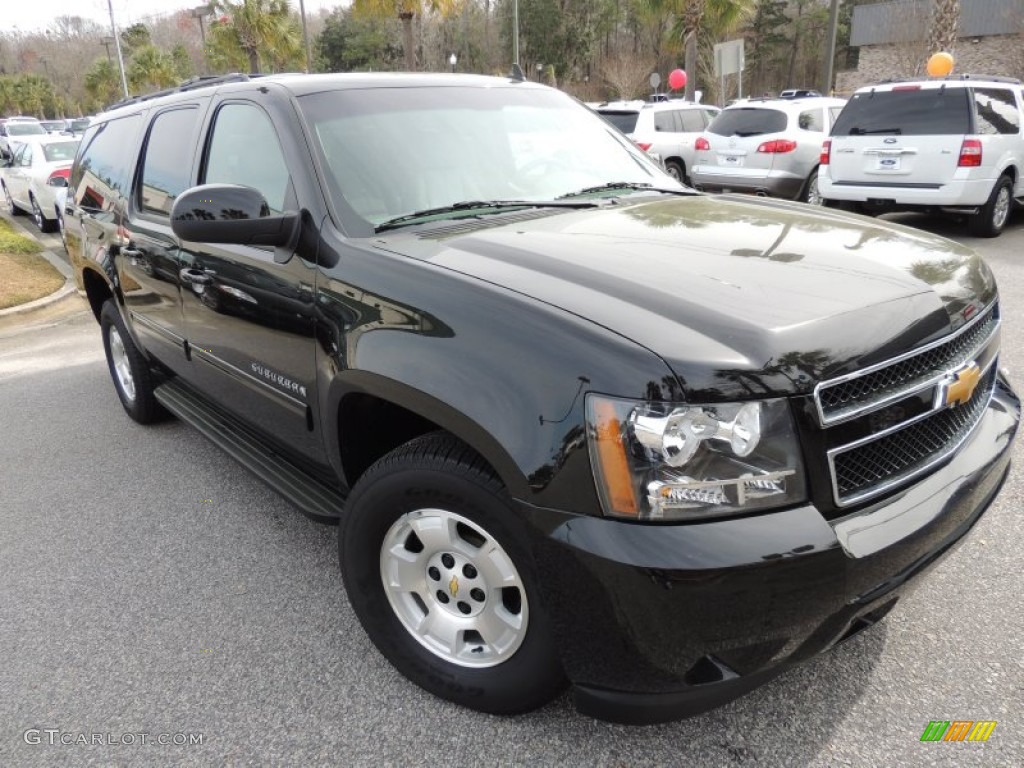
point(657, 622)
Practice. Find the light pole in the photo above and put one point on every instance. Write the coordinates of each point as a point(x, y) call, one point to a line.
point(453, 60)
point(106, 42)
point(200, 13)
point(117, 46)
point(540, 69)
point(305, 37)
point(515, 32)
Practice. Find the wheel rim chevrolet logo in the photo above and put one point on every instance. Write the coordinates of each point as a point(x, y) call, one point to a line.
point(453, 586)
point(965, 380)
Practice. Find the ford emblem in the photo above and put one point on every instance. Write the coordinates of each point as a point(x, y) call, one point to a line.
point(890, 140)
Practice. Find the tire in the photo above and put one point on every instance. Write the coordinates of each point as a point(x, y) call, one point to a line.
point(134, 380)
point(11, 207)
point(60, 228)
point(675, 169)
point(811, 195)
point(42, 223)
point(444, 582)
point(992, 218)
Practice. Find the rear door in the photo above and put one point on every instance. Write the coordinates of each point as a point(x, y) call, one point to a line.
point(909, 135)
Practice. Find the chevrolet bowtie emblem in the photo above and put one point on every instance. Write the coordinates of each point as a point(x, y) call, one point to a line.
point(453, 586)
point(964, 381)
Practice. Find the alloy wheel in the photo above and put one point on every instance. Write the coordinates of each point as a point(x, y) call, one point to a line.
point(122, 366)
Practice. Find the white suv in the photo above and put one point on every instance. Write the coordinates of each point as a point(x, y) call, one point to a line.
point(665, 129)
point(953, 144)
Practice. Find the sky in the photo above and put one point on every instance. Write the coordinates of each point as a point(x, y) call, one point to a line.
point(34, 15)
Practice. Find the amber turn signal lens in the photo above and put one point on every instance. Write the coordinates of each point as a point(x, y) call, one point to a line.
point(611, 453)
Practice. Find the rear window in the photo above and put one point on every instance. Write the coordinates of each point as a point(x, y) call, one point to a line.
point(25, 129)
point(748, 121)
point(924, 112)
point(624, 121)
point(61, 152)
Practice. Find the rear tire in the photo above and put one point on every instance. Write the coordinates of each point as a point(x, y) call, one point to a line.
point(811, 194)
point(133, 378)
point(437, 570)
point(675, 169)
point(992, 218)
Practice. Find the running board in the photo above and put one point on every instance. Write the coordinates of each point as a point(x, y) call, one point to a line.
point(312, 497)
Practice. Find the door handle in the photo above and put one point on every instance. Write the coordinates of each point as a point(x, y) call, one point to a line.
point(195, 276)
point(131, 253)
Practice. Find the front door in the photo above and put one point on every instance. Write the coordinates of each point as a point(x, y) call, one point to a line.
point(248, 318)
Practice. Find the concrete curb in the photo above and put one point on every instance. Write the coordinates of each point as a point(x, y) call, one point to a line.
point(56, 262)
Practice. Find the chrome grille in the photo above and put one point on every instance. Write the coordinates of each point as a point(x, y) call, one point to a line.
point(875, 466)
point(848, 396)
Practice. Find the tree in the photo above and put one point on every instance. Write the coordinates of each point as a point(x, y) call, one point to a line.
point(406, 11)
point(248, 29)
point(351, 43)
point(102, 82)
point(627, 76)
point(133, 38)
point(151, 69)
point(945, 25)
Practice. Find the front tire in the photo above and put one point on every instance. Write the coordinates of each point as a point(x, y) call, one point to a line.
point(436, 569)
point(992, 218)
point(134, 380)
point(12, 209)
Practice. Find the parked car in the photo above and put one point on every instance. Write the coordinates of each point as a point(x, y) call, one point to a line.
point(53, 126)
point(76, 126)
point(798, 93)
point(574, 420)
point(30, 178)
point(767, 147)
point(18, 128)
point(952, 144)
point(665, 129)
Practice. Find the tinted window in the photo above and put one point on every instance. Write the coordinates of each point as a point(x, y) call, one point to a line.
point(167, 166)
point(23, 155)
point(245, 150)
point(812, 120)
point(923, 112)
point(997, 111)
point(748, 121)
point(624, 121)
point(63, 151)
point(693, 120)
point(665, 121)
point(104, 168)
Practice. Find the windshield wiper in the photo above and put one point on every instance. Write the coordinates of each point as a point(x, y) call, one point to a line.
point(855, 131)
point(640, 186)
point(479, 205)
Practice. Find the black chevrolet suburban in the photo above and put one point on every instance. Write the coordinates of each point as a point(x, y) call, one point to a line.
point(576, 422)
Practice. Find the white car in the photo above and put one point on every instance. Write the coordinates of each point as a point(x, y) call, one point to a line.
point(13, 129)
point(952, 144)
point(666, 130)
point(38, 167)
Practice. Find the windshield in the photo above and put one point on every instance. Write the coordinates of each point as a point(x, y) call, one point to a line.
point(79, 125)
point(24, 129)
point(60, 152)
point(747, 121)
point(389, 152)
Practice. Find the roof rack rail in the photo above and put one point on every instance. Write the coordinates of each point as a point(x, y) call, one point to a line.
point(188, 85)
point(947, 78)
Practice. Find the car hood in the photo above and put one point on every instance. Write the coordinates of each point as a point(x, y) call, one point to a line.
point(739, 296)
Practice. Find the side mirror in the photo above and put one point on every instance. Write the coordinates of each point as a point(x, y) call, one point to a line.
point(229, 213)
point(56, 181)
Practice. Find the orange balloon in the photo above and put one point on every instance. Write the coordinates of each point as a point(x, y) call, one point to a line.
point(940, 64)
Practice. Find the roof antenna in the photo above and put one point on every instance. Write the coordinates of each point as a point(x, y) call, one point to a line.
point(517, 73)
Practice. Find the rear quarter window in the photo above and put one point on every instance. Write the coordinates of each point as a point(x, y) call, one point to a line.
point(748, 121)
point(996, 110)
point(922, 112)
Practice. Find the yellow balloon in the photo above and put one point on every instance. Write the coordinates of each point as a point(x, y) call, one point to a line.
point(940, 64)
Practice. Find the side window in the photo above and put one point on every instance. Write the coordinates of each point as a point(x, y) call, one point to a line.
point(663, 122)
point(245, 150)
point(167, 165)
point(104, 168)
point(18, 151)
point(833, 114)
point(26, 156)
point(997, 111)
point(693, 120)
point(812, 120)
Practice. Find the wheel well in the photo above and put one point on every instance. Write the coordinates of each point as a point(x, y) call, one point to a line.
point(96, 290)
point(370, 428)
point(677, 160)
point(1011, 171)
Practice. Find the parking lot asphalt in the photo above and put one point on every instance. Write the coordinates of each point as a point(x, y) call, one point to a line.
point(151, 585)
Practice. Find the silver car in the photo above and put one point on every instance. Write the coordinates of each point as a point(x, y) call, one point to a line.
point(767, 147)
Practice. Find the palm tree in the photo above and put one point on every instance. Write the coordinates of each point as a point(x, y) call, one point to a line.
point(945, 25)
point(151, 69)
point(406, 10)
point(102, 82)
point(252, 27)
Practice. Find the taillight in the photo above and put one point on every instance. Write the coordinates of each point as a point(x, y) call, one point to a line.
point(59, 178)
point(777, 146)
point(970, 153)
point(701, 144)
point(644, 145)
point(826, 151)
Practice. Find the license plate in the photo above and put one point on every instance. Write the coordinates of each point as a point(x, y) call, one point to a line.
point(731, 160)
point(888, 163)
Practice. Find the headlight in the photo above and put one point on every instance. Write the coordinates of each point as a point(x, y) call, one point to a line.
point(659, 461)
